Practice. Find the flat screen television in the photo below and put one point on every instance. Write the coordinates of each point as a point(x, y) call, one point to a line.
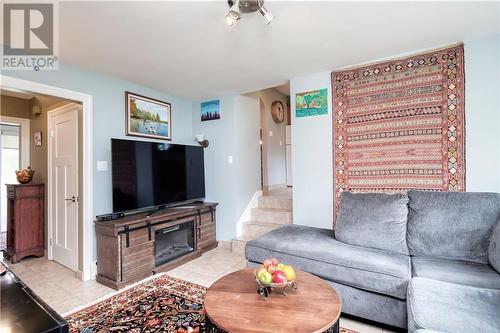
point(152, 174)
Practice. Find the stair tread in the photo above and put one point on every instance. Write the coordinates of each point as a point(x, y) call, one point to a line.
point(243, 239)
point(279, 198)
point(278, 194)
point(269, 224)
point(265, 224)
point(274, 209)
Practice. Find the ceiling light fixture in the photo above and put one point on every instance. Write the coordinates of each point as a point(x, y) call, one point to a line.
point(235, 11)
point(267, 14)
point(238, 7)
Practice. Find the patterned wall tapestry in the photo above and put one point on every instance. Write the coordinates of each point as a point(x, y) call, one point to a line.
point(399, 125)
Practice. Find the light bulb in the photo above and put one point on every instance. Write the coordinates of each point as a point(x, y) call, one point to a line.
point(229, 21)
point(267, 15)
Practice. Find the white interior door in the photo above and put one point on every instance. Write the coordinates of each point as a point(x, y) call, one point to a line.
point(63, 168)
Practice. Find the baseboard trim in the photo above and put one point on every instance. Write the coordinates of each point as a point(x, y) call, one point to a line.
point(93, 271)
point(246, 215)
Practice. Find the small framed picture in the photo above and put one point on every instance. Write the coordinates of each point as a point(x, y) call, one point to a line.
point(311, 103)
point(38, 139)
point(210, 110)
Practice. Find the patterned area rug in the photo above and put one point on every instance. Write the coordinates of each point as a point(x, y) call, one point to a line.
point(161, 304)
point(399, 125)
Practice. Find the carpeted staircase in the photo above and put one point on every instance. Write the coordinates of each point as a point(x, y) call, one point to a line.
point(274, 209)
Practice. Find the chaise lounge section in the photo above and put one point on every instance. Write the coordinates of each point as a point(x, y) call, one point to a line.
point(422, 260)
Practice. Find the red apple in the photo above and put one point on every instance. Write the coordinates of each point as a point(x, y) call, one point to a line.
point(267, 263)
point(279, 277)
point(274, 262)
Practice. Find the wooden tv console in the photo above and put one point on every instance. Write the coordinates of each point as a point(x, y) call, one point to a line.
point(126, 246)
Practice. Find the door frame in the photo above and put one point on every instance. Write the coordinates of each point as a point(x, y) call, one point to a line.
point(24, 124)
point(89, 265)
point(50, 180)
point(264, 140)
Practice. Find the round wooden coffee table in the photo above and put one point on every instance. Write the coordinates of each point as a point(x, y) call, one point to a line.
point(232, 304)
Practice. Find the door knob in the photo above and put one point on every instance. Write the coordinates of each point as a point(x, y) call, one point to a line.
point(72, 199)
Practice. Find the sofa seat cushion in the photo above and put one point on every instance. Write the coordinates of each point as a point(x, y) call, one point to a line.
point(376, 220)
point(449, 307)
point(314, 250)
point(456, 271)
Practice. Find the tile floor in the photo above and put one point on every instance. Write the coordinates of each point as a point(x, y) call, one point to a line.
point(63, 291)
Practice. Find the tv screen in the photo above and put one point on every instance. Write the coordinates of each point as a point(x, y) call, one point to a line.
point(148, 174)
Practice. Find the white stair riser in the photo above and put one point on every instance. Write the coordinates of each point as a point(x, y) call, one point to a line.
point(275, 202)
point(238, 246)
point(272, 216)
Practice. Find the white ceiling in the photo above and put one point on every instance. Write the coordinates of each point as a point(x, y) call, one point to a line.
point(284, 88)
point(187, 50)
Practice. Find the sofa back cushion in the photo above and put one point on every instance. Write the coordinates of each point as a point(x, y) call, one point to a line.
point(376, 220)
point(494, 248)
point(453, 225)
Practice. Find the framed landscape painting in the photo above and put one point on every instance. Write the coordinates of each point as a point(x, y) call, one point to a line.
point(311, 103)
point(148, 117)
point(210, 110)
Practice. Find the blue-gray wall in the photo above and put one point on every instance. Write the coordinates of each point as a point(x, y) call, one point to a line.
point(236, 134)
point(312, 157)
point(219, 174)
point(108, 112)
point(482, 114)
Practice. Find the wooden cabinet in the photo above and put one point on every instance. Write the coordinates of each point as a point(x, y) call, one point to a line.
point(25, 221)
point(126, 247)
point(206, 231)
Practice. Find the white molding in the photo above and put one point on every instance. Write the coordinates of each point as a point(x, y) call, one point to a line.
point(50, 181)
point(93, 268)
point(24, 124)
point(88, 160)
point(246, 215)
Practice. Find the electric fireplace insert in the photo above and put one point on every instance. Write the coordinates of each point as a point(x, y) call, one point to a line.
point(174, 242)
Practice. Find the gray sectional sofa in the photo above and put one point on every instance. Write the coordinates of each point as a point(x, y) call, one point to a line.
point(426, 261)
